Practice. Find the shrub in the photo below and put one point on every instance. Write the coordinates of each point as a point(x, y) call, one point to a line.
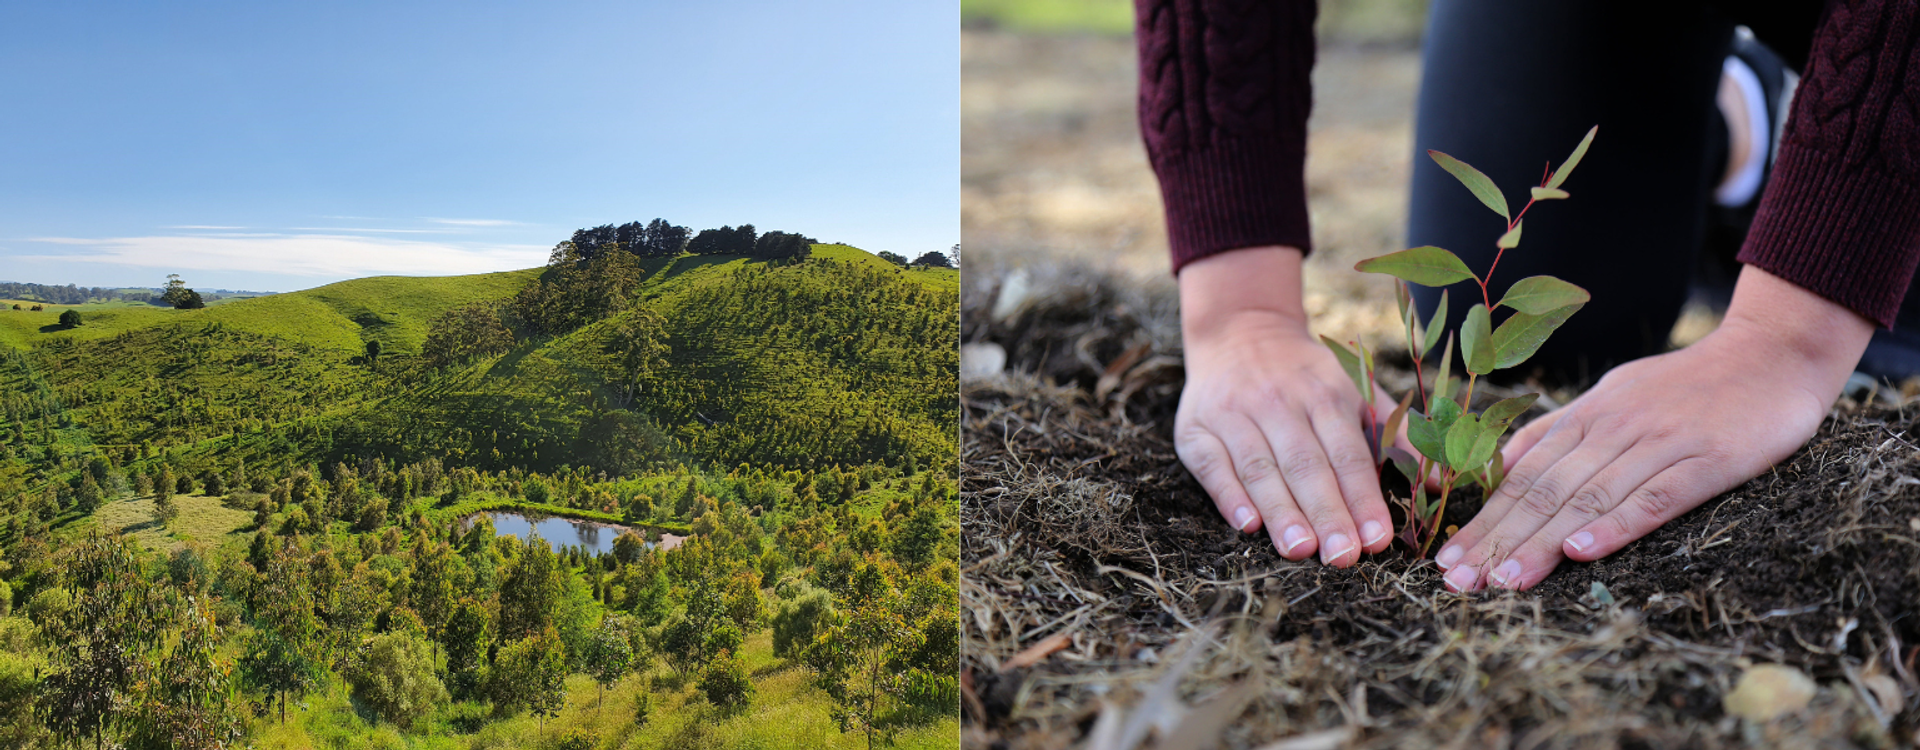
point(6, 599)
point(726, 685)
point(50, 606)
point(798, 619)
point(642, 706)
point(576, 739)
point(396, 678)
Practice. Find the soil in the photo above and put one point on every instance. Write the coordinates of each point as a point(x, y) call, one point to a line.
point(1089, 548)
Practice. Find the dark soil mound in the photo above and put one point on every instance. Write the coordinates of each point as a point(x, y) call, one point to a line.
point(1104, 595)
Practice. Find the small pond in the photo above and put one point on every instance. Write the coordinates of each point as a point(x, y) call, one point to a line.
point(596, 537)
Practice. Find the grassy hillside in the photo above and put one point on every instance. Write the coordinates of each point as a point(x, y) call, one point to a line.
point(392, 309)
point(843, 359)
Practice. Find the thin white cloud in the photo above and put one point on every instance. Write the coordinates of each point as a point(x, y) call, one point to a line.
point(321, 255)
point(200, 226)
point(367, 229)
point(473, 222)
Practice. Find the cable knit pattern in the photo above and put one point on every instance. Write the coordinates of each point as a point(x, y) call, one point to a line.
point(1225, 90)
point(1841, 215)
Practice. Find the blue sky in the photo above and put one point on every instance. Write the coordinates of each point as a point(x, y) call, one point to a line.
point(280, 145)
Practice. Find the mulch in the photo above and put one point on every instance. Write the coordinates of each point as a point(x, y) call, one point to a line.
point(1106, 605)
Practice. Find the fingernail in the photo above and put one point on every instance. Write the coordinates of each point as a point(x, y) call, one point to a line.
point(1338, 546)
point(1462, 578)
point(1580, 542)
point(1243, 518)
point(1294, 537)
point(1373, 532)
point(1508, 574)
point(1448, 556)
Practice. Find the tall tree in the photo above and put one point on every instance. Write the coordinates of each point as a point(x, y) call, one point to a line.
point(285, 654)
point(432, 590)
point(98, 648)
point(468, 632)
point(531, 673)
point(530, 592)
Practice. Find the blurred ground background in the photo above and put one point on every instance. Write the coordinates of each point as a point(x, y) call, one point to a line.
point(1052, 168)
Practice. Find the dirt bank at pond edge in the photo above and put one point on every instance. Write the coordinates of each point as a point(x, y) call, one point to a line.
point(1080, 525)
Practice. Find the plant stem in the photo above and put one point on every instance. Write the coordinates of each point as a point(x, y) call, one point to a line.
point(1439, 511)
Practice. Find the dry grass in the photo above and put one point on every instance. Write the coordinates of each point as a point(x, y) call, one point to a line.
point(201, 519)
point(1093, 568)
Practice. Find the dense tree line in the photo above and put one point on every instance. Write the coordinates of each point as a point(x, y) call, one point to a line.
point(67, 294)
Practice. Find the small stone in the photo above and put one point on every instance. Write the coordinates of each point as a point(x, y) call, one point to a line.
point(1768, 691)
point(981, 360)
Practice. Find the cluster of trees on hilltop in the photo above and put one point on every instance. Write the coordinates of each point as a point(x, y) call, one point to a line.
point(655, 239)
point(663, 239)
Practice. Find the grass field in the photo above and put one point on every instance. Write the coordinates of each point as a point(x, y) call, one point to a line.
point(201, 519)
point(787, 713)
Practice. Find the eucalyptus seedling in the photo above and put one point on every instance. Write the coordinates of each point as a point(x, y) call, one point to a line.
point(1454, 444)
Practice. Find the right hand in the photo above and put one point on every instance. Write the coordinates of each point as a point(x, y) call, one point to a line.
point(1269, 423)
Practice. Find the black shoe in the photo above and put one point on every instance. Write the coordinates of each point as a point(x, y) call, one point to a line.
point(1756, 70)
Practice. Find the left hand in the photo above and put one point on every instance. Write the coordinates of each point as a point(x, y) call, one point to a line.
point(1659, 436)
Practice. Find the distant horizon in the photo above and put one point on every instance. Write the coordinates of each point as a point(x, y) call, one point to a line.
point(292, 146)
point(222, 290)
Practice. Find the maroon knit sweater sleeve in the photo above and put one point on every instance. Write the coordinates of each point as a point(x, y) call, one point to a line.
point(1841, 215)
point(1224, 95)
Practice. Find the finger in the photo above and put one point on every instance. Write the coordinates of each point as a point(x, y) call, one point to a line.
point(1311, 482)
point(1524, 510)
point(1207, 459)
point(1527, 436)
point(1257, 470)
point(1521, 475)
point(1535, 556)
point(1680, 488)
point(1356, 475)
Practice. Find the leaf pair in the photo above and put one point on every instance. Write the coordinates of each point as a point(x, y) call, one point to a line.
point(1461, 440)
point(1484, 189)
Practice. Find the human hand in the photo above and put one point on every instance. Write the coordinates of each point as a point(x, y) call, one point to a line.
point(1268, 422)
point(1659, 436)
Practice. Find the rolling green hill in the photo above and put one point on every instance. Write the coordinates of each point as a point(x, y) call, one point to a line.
point(844, 359)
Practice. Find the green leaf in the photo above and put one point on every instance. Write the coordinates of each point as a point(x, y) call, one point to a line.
point(1429, 433)
point(1405, 462)
point(1415, 342)
point(1566, 167)
point(1401, 297)
point(1433, 327)
point(1460, 439)
point(1476, 341)
point(1392, 428)
point(1521, 336)
point(1349, 361)
point(1538, 295)
point(1507, 410)
point(1444, 376)
point(1512, 238)
point(1475, 181)
point(1470, 443)
point(1366, 368)
point(1549, 194)
point(1426, 265)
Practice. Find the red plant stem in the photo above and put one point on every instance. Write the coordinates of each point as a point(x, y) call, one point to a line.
point(1484, 296)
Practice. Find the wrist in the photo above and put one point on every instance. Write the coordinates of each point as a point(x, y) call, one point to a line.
point(1791, 328)
point(1256, 288)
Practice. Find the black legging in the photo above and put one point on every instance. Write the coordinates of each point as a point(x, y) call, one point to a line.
point(1511, 86)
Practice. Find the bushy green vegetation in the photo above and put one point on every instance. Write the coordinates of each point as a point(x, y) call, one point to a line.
point(271, 502)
